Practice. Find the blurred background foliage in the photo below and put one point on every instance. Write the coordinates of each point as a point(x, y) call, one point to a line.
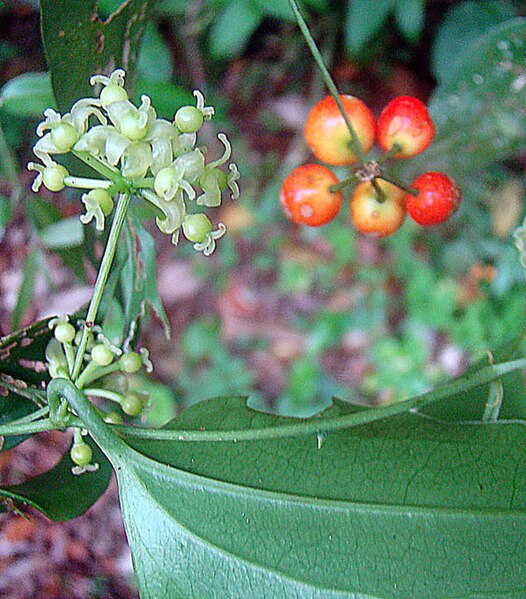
point(293, 316)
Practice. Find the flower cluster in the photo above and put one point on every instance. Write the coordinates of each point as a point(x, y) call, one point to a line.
point(136, 152)
point(106, 372)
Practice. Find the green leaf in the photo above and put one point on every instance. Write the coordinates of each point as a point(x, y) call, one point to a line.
point(479, 112)
point(166, 97)
point(22, 374)
point(363, 22)
point(47, 217)
point(79, 44)
point(138, 276)
point(232, 28)
point(155, 59)
point(6, 212)
point(410, 15)
point(58, 493)
point(25, 292)
point(380, 509)
point(65, 233)
point(463, 25)
point(27, 95)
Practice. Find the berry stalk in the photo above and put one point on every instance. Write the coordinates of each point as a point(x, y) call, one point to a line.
point(355, 142)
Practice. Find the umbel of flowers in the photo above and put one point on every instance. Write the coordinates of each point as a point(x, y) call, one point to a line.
point(133, 151)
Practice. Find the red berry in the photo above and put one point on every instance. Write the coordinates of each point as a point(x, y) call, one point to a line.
point(406, 122)
point(376, 218)
point(439, 197)
point(327, 134)
point(306, 197)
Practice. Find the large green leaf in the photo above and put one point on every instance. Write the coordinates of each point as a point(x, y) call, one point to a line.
point(27, 95)
point(362, 23)
point(78, 43)
point(138, 280)
point(479, 111)
point(58, 493)
point(407, 506)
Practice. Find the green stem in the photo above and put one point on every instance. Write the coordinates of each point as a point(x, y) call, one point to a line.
point(315, 426)
point(62, 389)
point(494, 402)
point(343, 183)
point(101, 167)
point(88, 375)
point(104, 393)
point(388, 155)
point(403, 186)
point(104, 271)
point(27, 428)
point(355, 142)
point(379, 191)
point(84, 183)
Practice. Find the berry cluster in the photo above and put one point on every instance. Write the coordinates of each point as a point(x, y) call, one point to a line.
point(312, 194)
point(138, 153)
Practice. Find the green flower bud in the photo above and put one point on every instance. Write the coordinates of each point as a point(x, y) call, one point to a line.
point(101, 355)
point(53, 177)
point(103, 199)
point(130, 362)
point(81, 454)
point(64, 136)
point(188, 119)
point(130, 126)
point(131, 404)
point(64, 332)
point(112, 93)
point(196, 227)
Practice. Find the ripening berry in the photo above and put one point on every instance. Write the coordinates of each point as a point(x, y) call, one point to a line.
point(439, 197)
point(81, 454)
point(131, 404)
point(373, 217)
point(326, 132)
point(306, 196)
point(405, 121)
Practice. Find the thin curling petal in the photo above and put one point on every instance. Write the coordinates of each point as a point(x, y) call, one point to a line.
point(185, 142)
point(146, 112)
point(231, 180)
point(226, 154)
point(81, 111)
point(145, 356)
point(53, 118)
point(208, 111)
point(116, 77)
point(192, 165)
point(136, 160)
point(174, 214)
point(117, 111)
point(37, 183)
point(93, 211)
point(208, 245)
point(44, 147)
